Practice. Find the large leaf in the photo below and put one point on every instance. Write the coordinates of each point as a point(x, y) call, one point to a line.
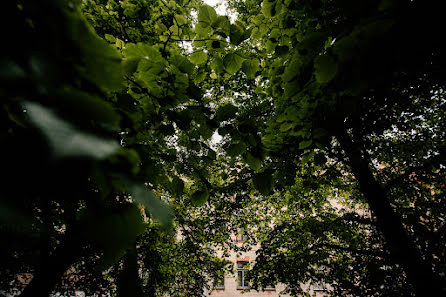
point(101, 61)
point(236, 149)
point(232, 63)
point(159, 209)
point(236, 34)
point(198, 57)
point(114, 230)
point(217, 65)
point(222, 25)
point(182, 63)
point(250, 67)
point(64, 139)
point(225, 112)
point(203, 30)
point(304, 144)
point(200, 197)
point(325, 68)
point(133, 53)
point(263, 182)
point(207, 14)
point(253, 162)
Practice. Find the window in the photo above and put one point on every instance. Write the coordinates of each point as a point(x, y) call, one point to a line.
point(242, 281)
point(241, 235)
point(269, 287)
point(219, 281)
point(318, 286)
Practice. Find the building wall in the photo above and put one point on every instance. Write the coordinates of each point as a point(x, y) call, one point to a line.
point(230, 288)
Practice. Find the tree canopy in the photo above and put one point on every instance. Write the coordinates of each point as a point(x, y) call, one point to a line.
point(139, 135)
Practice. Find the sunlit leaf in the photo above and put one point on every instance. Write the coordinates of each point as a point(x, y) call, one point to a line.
point(198, 57)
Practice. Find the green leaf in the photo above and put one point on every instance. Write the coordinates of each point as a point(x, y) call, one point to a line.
point(110, 38)
point(213, 75)
point(222, 25)
point(304, 144)
point(64, 139)
point(101, 61)
point(286, 126)
point(253, 162)
point(200, 197)
point(133, 53)
point(307, 157)
point(250, 67)
point(268, 8)
point(226, 112)
point(217, 65)
point(159, 209)
point(232, 63)
point(177, 186)
point(292, 70)
point(236, 34)
point(207, 14)
point(182, 63)
point(113, 230)
point(198, 57)
point(160, 28)
point(200, 77)
point(180, 19)
point(203, 30)
point(263, 182)
point(236, 149)
point(325, 68)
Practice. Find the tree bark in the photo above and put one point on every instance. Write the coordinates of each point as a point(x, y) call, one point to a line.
point(129, 282)
point(49, 274)
point(402, 249)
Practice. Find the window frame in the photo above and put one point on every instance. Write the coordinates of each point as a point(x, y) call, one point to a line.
point(270, 287)
point(241, 236)
point(243, 283)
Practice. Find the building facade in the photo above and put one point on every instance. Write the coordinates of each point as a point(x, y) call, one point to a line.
point(236, 284)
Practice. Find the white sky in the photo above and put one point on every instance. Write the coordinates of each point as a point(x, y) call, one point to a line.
point(219, 5)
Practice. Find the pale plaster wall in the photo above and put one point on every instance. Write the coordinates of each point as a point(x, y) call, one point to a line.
point(231, 290)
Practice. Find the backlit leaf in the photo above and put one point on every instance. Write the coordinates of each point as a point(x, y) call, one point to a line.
point(198, 57)
point(207, 14)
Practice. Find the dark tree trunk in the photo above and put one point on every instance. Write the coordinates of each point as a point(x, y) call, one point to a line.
point(129, 282)
point(50, 273)
point(402, 249)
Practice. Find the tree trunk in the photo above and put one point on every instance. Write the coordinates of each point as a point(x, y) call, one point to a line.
point(129, 282)
point(50, 273)
point(403, 250)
